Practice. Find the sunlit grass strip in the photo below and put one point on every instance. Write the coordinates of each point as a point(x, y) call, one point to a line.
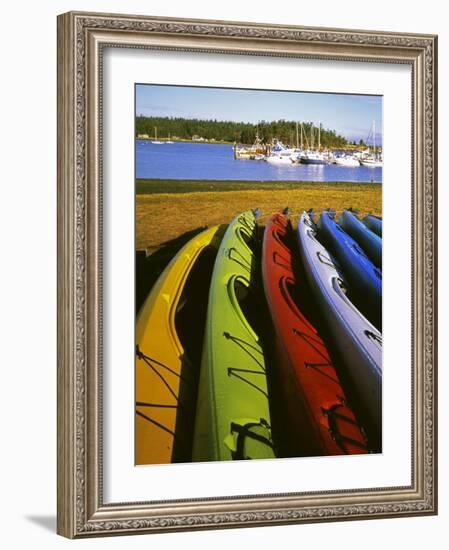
point(165, 216)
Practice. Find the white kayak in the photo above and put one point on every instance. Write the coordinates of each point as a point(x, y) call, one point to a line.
point(357, 343)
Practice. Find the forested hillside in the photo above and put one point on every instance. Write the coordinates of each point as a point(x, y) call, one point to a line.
point(240, 132)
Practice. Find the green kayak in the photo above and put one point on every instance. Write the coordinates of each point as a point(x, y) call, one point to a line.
point(233, 415)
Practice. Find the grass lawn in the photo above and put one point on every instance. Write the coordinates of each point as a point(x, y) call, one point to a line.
point(166, 210)
point(150, 186)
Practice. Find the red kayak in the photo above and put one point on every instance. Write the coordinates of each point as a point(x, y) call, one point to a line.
point(316, 413)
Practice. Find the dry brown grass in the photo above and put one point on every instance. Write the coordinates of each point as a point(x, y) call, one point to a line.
point(163, 217)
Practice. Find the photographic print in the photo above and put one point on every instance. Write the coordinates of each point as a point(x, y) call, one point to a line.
point(258, 274)
point(221, 291)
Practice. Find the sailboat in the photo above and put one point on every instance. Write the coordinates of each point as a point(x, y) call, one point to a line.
point(373, 160)
point(315, 156)
point(299, 150)
point(169, 139)
point(155, 141)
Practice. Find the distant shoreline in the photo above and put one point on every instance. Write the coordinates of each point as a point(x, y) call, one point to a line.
point(159, 186)
point(200, 129)
point(195, 141)
point(348, 147)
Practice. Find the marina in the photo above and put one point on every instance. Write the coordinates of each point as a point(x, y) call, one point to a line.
point(214, 161)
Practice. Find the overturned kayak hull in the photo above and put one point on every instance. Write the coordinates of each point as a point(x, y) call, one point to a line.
point(374, 223)
point(367, 239)
point(233, 415)
point(357, 343)
point(320, 420)
point(166, 366)
point(363, 278)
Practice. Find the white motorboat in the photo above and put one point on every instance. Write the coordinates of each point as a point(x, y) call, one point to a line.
point(279, 154)
point(279, 159)
point(347, 160)
point(278, 148)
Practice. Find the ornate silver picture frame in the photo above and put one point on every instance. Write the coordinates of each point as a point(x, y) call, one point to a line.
point(82, 39)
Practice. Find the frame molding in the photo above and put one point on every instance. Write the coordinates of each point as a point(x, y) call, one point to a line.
point(81, 38)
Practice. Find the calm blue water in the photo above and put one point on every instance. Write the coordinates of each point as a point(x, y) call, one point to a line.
point(216, 162)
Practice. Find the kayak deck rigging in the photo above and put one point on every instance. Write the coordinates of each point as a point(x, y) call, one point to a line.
point(305, 377)
point(252, 344)
point(168, 352)
point(233, 414)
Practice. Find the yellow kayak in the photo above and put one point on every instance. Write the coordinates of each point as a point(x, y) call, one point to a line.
point(169, 333)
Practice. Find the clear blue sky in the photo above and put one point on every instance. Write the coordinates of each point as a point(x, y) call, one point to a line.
point(349, 115)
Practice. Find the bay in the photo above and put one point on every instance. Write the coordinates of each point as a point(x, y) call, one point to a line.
point(197, 161)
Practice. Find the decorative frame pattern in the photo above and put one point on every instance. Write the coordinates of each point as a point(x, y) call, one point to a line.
point(81, 38)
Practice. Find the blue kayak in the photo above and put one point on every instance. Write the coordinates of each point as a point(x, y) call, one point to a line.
point(356, 342)
point(374, 223)
point(367, 239)
point(363, 278)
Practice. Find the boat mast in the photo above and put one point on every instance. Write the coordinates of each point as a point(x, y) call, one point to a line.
point(319, 136)
point(307, 141)
point(297, 144)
